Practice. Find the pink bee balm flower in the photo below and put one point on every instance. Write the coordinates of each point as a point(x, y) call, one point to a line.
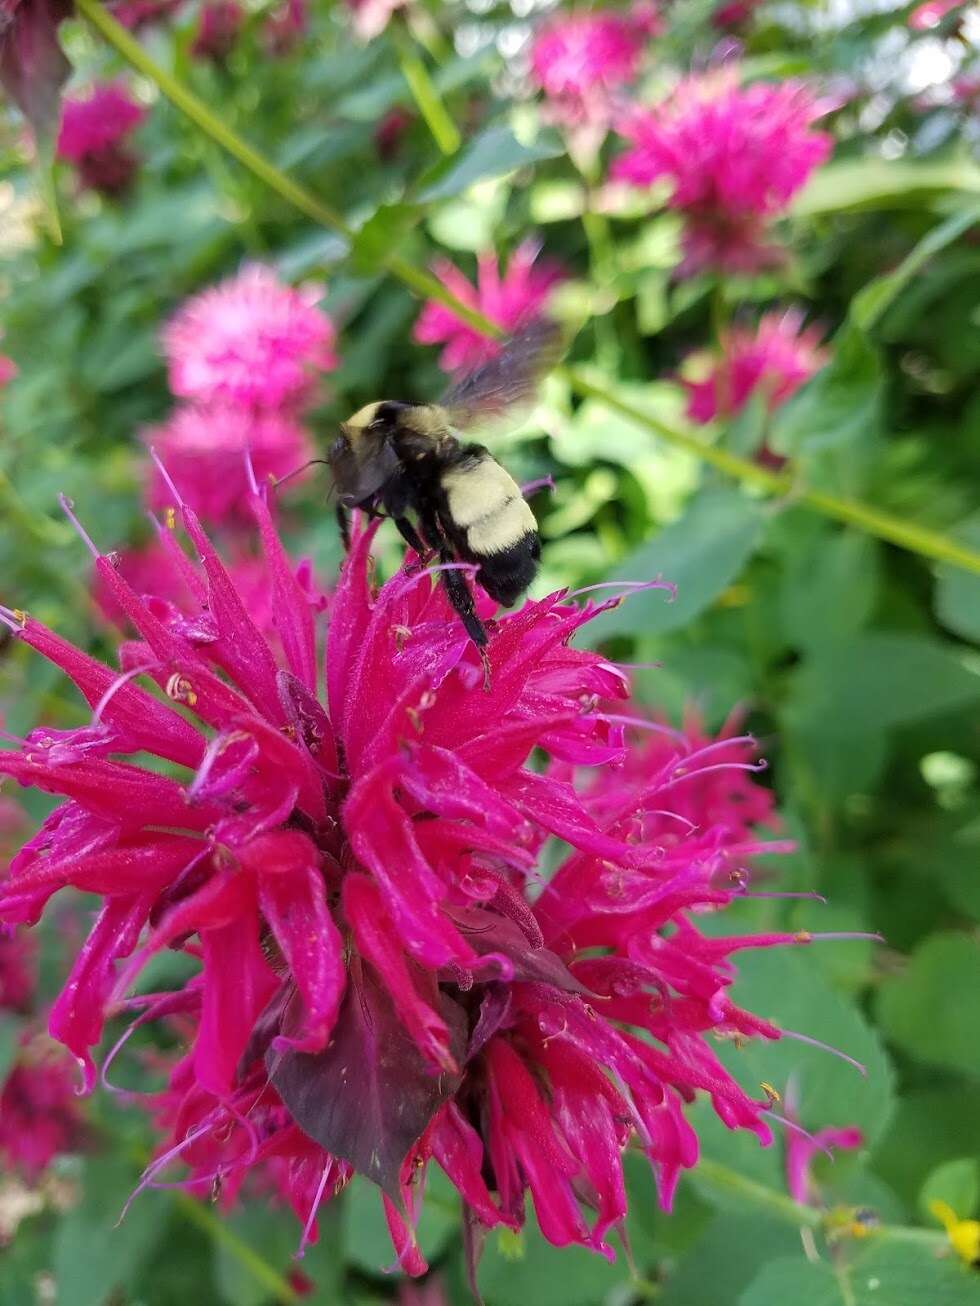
point(931, 14)
point(509, 300)
point(39, 1116)
point(354, 865)
point(778, 357)
point(371, 17)
point(579, 58)
point(8, 370)
point(217, 30)
point(250, 341)
point(94, 132)
point(735, 156)
point(205, 447)
point(18, 965)
point(286, 26)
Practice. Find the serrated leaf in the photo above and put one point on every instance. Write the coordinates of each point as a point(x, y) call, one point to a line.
point(702, 554)
point(369, 1095)
point(930, 1009)
point(494, 153)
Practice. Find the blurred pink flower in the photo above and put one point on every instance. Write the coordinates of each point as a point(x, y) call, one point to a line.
point(777, 357)
point(204, 448)
point(8, 370)
point(217, 30)
point(735, 156)
point(371, 17)
point(18, 972)
point(136, 14)
point(390, 130)
point(39, 1115)
point(734, 13)
point(509, 300)
point(931, 14)
point(94, 132)
point(251, 341)
point(377, 988)
point(286, 25)
point(579, 58)
point(802, 1147)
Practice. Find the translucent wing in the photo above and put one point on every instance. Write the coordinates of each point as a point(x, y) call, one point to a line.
point(507, 380)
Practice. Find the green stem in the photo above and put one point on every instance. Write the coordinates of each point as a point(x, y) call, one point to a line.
point(722, 1179)
point(222, 1233)
point(188, 103)
point(917, 539)
point(424, 92)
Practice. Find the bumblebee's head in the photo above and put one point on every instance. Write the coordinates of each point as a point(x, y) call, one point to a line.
point(362, 457)
point(373, 423)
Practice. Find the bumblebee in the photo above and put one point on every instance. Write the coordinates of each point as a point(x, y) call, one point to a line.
point(449, 497)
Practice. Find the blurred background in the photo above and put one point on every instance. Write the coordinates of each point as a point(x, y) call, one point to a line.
point(822, 345)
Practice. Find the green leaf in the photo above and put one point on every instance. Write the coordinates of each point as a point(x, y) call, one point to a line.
point(726, 1259)
point(494, 153)
point(535, 1272)
point(888, 1274)
point(828, 589)
point(930, 1009)
point(839, 406)
point(957, 1183)
point(92, 1255)
point(784, 986)
point(928, 1126)
point(877, 183)
point(957, 598)
point(870, 303)
point(272, 1234)
point(381, 235)
point(880, 680)
point(702, 554)
point(366, 1237)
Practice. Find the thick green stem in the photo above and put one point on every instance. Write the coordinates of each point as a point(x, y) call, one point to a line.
point(917, 539)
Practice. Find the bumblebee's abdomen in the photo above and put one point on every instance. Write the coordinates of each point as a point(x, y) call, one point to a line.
point(492, 524)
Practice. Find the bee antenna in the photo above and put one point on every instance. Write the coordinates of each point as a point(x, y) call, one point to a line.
point(299, 470)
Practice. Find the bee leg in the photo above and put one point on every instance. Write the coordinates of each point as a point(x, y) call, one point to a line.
point(343, 525)
point(461, 597)
point(414, 541)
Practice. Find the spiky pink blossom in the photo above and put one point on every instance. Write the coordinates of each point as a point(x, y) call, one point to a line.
point(217, 30)
point(579, 59)
point(351, 864)
point(775, 358)
point(734, 157)
point(205, 447)
point(251, 341)
point(18, 967)
point(509, 299)
point(95, 129)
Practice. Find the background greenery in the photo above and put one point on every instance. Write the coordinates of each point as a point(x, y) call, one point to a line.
point(855, 658)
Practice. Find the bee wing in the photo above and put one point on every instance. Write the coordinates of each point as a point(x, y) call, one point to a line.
point(507, 380)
